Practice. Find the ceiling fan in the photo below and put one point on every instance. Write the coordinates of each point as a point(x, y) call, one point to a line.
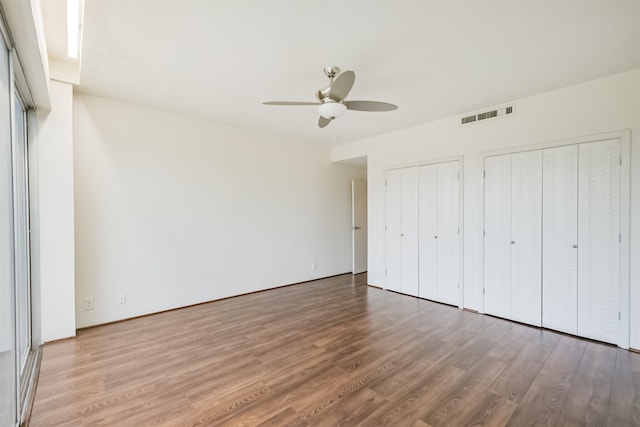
point(331, 99)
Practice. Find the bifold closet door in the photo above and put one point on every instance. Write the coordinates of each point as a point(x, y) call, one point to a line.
point(598, 240)
point(513, 234)
point(410, 233)
point(497, 240)
point(526, 237)
point(560, 239)
point(428, 250)
point(394, 230)
point(402, 230)
point(439, 224)
point(448, 236)
point(552, 238)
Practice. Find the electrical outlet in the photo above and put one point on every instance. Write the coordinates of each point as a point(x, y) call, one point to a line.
point(89, 304)
point(314, 265)
point(122, 297)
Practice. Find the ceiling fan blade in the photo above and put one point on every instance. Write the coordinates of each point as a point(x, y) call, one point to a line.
point(369, 106)
point(290, 103)
point(323, 122)
point(342, 85)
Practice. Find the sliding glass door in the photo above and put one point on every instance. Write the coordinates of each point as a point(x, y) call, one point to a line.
point(8, 371)
point(16, 352)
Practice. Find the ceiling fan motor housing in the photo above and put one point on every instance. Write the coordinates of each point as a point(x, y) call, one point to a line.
point(323, 94)
point(332, 109)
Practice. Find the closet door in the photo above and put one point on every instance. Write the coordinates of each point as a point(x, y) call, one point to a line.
point(448, 225)
point(394, 230)
point(560, 238)
point(497, 240)
point(428, 251)
point(598, 240)
point(526, 237)
point(410, 182)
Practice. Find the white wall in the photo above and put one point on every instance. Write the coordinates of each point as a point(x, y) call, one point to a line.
point(174, 211)
point(600, 106)
point(56, 214)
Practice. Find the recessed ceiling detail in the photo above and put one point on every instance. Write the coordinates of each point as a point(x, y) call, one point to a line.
point(219, 60)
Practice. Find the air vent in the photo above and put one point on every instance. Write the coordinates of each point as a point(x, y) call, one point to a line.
point(468, 119)
point(499, 112)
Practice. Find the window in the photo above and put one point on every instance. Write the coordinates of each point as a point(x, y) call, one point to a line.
point(8, 383)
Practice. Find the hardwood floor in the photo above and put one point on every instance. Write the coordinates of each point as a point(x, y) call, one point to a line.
point(333, 352)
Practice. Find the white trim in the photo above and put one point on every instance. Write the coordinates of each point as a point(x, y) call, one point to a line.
point(619, 134)
point(422, 163)
point(461, 233)
point(625, 233)
point(26, 96)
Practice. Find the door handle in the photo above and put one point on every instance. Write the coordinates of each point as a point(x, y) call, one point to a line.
point(574, 246)
point(355, 227)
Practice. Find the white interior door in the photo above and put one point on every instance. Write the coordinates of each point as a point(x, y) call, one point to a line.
point(448, 226)
point(359, 226)
point(428, 225)
point(526, 237)
point(394, 230)
point(560, 239)
point(598, 240)
point(410, 235)
point(497, 239)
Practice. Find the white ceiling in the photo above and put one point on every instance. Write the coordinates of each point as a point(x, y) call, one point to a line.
point(221, 59)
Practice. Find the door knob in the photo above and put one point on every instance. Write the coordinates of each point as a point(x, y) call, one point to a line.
point(355, 227)
point(574, 246)
point(513, 242)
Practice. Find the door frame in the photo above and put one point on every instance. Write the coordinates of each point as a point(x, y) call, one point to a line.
point(353, 225)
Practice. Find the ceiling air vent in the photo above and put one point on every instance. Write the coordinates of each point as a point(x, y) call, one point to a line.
point(499, 112)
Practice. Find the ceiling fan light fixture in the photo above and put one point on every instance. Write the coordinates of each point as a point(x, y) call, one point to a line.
point(332, 110)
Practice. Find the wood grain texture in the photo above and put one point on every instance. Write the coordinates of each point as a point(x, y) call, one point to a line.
point(332, 352)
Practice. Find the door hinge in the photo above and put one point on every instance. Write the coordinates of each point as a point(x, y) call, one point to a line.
point(458, 230)
point(619, 316)
point(619, 237)
point(458, 285)
point(484, 233)
point(458, 175)
point(483, 291)
point(620, 159)
point(385, 182)
point(385, 228)
point(385, 271)
point(484, 174)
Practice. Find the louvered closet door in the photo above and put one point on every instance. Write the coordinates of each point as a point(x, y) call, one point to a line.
point(410, 182)
point(526, 237)
point(448, 233)
point(428, 250)
point(497, 240)
point(559, 237)
point(598, 244)
point(394, 230)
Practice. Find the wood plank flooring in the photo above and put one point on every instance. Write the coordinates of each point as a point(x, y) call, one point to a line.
point(333, 352)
